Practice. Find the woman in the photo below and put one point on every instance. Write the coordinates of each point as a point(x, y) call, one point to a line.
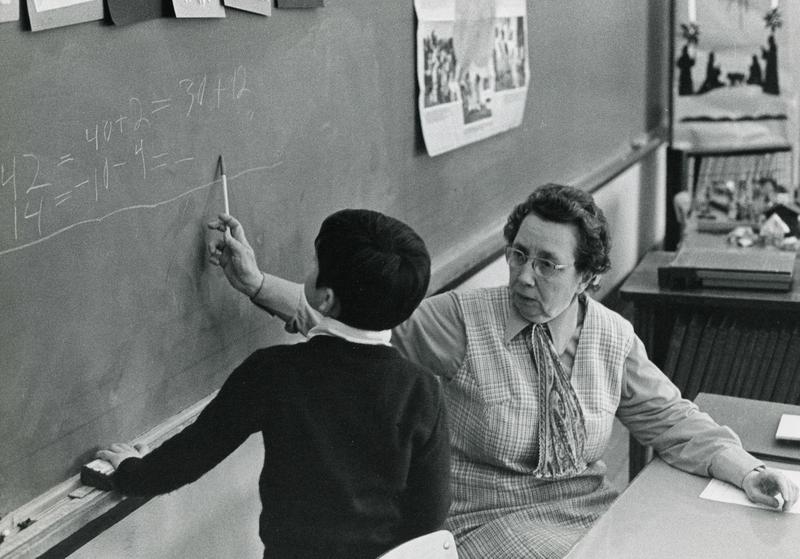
point(534, 374)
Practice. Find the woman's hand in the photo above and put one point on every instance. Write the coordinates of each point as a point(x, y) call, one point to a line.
point(771, 488)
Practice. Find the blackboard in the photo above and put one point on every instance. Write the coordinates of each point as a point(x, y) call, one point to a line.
point(112, 321)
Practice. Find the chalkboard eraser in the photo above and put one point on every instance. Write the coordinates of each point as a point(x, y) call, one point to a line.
point(98, 473)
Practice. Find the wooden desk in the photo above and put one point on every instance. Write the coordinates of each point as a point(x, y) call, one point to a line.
point(641, 287)
point(755, 422)
point(661, 516)
point(723, 341)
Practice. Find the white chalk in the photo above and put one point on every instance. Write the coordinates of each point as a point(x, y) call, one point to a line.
point(224, 185)
point(225, 194)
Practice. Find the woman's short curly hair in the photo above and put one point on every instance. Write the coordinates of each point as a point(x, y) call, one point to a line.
point(566, 204)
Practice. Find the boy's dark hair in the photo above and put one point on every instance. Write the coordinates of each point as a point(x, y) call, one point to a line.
point(377, 266)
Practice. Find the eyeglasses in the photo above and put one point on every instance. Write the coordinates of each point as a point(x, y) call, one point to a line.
point(541, 266)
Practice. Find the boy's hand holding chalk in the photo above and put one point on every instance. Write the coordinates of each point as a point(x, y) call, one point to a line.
point(232, 252)
point(235, 256)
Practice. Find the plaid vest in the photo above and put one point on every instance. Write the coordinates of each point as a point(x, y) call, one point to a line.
point(492, 399)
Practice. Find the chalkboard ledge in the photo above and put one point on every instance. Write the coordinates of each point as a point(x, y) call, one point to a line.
point(55, 517)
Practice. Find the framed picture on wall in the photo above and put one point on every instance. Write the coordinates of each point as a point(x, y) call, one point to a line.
point(733, 85)
point(735, 106)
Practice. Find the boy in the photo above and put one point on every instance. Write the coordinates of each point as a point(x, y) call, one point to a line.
point(356, 455)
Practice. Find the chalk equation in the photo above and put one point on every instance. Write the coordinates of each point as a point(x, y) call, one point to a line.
point(133, 158)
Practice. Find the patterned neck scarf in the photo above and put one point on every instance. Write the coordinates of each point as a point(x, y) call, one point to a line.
point(562, 429)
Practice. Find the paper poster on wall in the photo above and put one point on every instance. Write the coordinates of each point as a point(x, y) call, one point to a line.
point(472, 69)
point(124, 12)
point(9, 10)
point(46, 14)
point(733, 76)
point(263, 7)
point(198, 8)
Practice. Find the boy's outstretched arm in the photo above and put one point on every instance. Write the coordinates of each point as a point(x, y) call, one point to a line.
point(233, 253)
point(224, 424)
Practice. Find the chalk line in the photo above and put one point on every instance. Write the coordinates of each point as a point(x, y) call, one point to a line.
point(136, 207)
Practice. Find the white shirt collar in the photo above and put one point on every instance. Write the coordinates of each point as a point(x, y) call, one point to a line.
point(562, 327)
point(327, 326)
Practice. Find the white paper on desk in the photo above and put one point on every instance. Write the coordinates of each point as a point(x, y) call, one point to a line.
point(789, 426)
point(723, 492)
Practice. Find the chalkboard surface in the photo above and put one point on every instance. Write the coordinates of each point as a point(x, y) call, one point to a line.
point(112, 321)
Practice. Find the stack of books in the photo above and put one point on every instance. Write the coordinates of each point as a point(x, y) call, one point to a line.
point(734, 268)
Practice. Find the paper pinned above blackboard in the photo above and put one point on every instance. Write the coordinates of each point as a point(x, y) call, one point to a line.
point(263, 7)
point(190, 8)
point(9, 10)
point(46, 14)
point(125, 12)
point(472, 70)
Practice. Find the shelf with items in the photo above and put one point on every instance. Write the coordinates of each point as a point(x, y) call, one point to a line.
point(729, 188)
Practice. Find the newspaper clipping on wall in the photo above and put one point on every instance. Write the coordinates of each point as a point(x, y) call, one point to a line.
point(472, 69)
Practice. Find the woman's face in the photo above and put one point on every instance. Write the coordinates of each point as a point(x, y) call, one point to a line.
point(536, 298)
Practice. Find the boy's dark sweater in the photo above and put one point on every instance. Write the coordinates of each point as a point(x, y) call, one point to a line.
point(356, 453)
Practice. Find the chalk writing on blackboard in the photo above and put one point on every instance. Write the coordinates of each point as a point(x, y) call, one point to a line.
point(137, 207)
point(129, 160)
